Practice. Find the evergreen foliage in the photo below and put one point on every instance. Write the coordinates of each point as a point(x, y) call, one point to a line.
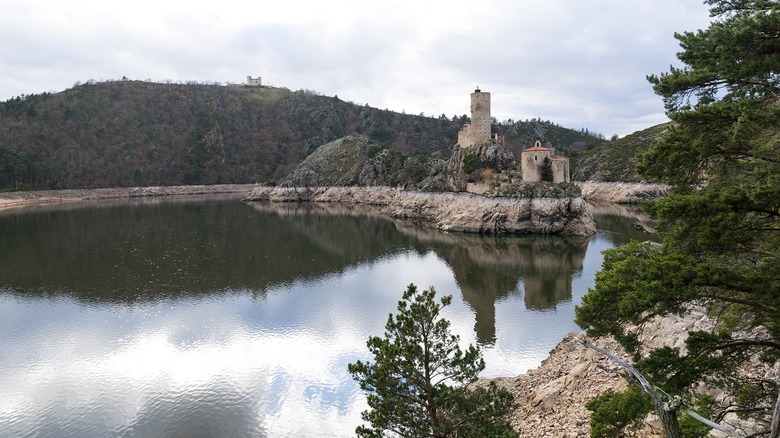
point(721, 224)
point(419, 384)
point(615, 412)
point(547, 172)
point(472, 163)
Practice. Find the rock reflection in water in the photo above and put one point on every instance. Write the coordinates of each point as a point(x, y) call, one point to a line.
point(491, 268)
point(150, 250)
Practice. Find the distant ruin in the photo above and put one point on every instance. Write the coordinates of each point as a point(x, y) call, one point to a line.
point(250, 82)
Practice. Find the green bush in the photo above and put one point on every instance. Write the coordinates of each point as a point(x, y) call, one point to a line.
point(615, 412)
point(472, 163)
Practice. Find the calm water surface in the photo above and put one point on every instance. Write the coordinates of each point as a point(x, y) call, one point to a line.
point(210, 317)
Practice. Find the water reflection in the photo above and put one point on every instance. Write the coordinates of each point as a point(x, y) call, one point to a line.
point(138, 252)
point(489, 269)
point(218, 318)
point(617, 222)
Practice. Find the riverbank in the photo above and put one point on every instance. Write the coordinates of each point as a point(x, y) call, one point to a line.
point(621, 192)
point(44, 197)
point(551, 398)
point(450, 211)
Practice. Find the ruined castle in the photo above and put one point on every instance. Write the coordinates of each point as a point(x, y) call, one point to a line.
point(478, 131)
point(250, 82)
point(533, 160)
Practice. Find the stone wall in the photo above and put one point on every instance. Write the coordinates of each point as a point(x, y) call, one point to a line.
point(560, 169)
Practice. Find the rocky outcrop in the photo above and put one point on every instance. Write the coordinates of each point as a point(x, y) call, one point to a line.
point(621, 192)
point(551, 398)
point(337, 163)
point(355, 160)
point(456, 179)
point(453, 211)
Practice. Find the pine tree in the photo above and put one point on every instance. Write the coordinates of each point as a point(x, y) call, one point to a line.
point(721, 223)
point(419, 384)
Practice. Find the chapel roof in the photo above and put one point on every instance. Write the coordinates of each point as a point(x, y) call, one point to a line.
point(539, 148)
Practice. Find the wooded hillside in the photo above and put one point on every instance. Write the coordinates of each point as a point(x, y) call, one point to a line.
point(134, 133)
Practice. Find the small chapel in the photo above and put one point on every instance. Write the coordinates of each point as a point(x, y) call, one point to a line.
point(534, 159)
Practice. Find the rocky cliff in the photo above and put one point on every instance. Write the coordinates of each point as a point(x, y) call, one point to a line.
point(356, 160)
point(551, 398)
point(453, 211)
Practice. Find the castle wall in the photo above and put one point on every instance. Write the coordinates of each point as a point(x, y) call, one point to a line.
point(463, 136)
point(560, 170)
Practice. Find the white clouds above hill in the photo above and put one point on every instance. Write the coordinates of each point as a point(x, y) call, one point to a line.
point(581, 64)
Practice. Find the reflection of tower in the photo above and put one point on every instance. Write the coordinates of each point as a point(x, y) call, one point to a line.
point(481, 289)
point(489, 269)
point(545, 290)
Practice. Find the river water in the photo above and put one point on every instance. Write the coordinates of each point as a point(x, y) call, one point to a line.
point(209, 317)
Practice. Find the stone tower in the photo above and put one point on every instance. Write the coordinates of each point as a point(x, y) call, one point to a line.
point(478, 132)
point(480, 117)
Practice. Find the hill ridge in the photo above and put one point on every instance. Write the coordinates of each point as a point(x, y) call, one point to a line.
point(135, 133)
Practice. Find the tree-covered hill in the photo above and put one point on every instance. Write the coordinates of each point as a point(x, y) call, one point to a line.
point(615, 160)
point(134, 133)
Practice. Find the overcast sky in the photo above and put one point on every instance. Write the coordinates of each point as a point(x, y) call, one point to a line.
point(578, 63)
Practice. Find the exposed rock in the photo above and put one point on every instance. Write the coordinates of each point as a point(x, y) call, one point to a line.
point(436, 181)
point(498, 157)
point(337, 163)
point(20, 199)
point(453, 211)
point(643, 227)
point(621, 192)
point(376, 168)
point(456, 178)
point(551, 398)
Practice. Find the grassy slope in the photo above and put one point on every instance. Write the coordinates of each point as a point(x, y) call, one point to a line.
point(615, 161)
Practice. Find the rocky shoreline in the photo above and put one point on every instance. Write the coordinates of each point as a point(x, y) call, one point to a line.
point(621, 192)
point(551, 398)
point(450, 211)
point(46, 197)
